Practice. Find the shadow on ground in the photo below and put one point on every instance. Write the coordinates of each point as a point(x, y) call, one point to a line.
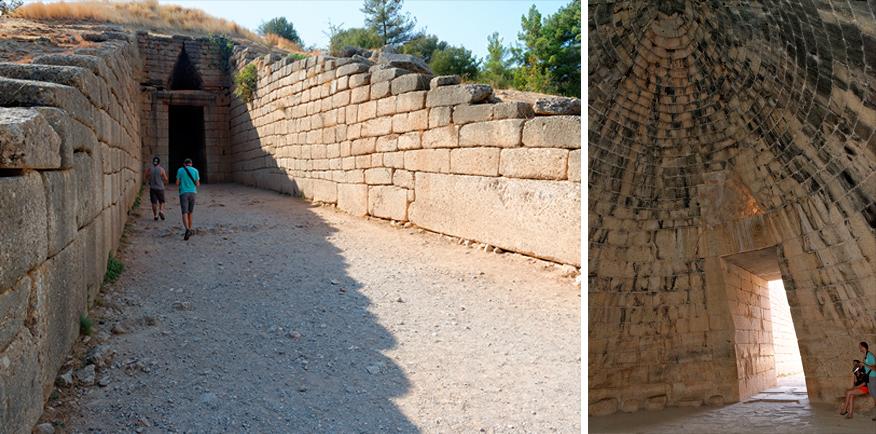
point(257, 328)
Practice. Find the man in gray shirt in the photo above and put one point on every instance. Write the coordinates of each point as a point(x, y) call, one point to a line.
point(157, 177)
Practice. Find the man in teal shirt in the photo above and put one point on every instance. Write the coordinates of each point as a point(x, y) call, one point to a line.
point(188, 180)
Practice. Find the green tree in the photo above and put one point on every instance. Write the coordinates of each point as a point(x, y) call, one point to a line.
point(550, 55)
point(423, 46)
point(356, 37)
point(454, 60)
point(386, 19)
point(7, 6)
point(281, 27)
point(497, 68)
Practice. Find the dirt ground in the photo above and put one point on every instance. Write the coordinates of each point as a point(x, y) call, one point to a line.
point(281, 316)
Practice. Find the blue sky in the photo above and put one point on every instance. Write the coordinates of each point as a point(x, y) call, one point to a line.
point(458, 22)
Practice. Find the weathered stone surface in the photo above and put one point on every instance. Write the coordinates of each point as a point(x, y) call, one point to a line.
point(444, 80)
point(15, 92)
point(508, 213)
point(465, 114)
point(458, 94)
point(73, 76)
point(27, 140)
point(475, 161)
point(410, 101)
point(378, 175)
point(603, 407)
point(534, 163)
point(504, 133)
point(21, 393)
point(23, 241)
point(324, 191)
point(381, 74)
point(60, 299)
point(428, 160)
point(388, 202)
point(351, 68)
point(553, 132)
point(61, 205)
point(69, 130)
point(409, 83)
point(404, 61)
point(574, 169)
point(89, 186)
point(443, 137)
point(512, 110)
point(557, 105)
point(410, 140)
point(353, 199)
point(13, 309)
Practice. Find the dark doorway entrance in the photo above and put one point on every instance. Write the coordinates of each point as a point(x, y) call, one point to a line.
point(186, 139)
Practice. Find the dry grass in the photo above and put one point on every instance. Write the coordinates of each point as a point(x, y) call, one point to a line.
point(146, 13)
point(282, 43)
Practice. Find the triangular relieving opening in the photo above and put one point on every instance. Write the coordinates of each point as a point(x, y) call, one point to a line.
point(184, 76)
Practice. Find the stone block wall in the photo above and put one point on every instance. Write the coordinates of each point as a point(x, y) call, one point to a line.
point(388, 143)
point(749, 300)
point(69, 172)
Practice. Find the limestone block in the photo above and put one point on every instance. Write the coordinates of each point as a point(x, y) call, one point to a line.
point(503, 133)
point(13, 309)
point(71, 132)
point(403, 178)
point(353, 199)
point(409, 83)
point(385, 74)
point(15, 92)
point(558, 105)
point(439, 116)
point(378, 176)
point(512, 110)
point(61, 205)
point(508, 213)
point(410, 101)
point(553, 132)
point(458, 94)
point(409, 141)
point(92, 237)
point(23, 240)
point(387, 143)
point(465, 114)
point(603, 407)
point(89, 184)
point(356, 176)
point(444, 80)
point(27, 140)
point(350, 69)
point(442, 137)
point(377, 127)
point(80, 78)
point(367, 110)
point(323, 190)
point(388, 202)
point(574, 170)
point(534, 163)
point(406, 62)
point(380, 90)
point(357, 80)
point(21, 392)
point(386, 106)
point(475, 161)
point(60, 299)
point(428, 160)
point(340, 99)
point(360, 94)
point(394, 159)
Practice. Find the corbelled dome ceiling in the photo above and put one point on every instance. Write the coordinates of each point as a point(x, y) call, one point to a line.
point(777, 90)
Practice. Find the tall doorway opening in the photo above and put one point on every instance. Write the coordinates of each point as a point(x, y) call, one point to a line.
point(186, 139)
point(764, 339)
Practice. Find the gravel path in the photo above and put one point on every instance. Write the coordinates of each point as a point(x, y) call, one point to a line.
point(278, 316)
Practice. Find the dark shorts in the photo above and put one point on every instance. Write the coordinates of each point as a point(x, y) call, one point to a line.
point(187, 202)
point(156, 196)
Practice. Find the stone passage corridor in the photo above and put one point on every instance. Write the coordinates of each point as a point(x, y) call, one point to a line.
point(278, 316)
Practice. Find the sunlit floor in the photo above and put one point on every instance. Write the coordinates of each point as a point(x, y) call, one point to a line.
point(783, 409)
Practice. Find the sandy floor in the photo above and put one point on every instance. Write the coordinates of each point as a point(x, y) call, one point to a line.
point(282, 317)
point(784, 409)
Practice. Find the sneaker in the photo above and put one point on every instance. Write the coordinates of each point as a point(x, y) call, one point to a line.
point(160, 214)
point(188, 234)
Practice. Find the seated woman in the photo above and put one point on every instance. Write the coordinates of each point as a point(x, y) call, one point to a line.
point(860, 388)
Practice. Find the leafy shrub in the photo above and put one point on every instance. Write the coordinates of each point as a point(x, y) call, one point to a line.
point(86, 326)
point(296, 56)
point(225, 47)
point(245, 82)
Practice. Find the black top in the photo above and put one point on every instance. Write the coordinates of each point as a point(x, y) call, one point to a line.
point(861, 375)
